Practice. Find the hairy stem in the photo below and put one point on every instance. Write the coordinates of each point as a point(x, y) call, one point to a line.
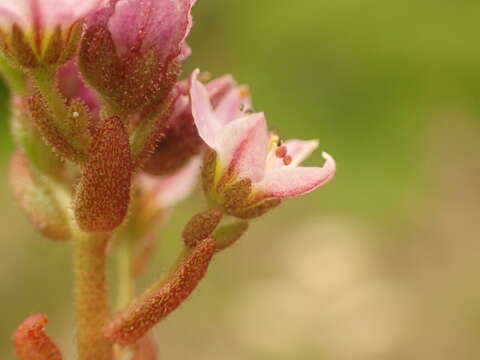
point(125, 278)
point(91, 296)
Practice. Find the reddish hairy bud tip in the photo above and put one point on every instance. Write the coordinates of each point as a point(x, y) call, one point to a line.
point(31, 342)
point(163, 298)
point(103, 195)
point(200, 227)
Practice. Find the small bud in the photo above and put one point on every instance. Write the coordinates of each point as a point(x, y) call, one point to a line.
point(31, 342)
point(200, 227)
point(103, 195)
point(164, 297)
point(37, 201)
point(227, 235)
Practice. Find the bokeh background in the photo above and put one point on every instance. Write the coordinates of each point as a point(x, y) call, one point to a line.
point(384, 262)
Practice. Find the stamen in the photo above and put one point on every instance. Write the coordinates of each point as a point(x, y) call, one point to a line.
point(281, 152)
point(287, 160)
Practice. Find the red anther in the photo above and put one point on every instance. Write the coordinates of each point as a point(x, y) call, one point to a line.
point(281, 152)
point(287, 160)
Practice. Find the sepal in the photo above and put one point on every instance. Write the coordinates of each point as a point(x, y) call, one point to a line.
point(103, 194)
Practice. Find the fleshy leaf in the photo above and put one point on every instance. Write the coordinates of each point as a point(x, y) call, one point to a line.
point(31, 341)
point(164, 297)
point(103, 195)
point(200, 227)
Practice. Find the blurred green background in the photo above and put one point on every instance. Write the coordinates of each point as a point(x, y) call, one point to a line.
point(382, 263)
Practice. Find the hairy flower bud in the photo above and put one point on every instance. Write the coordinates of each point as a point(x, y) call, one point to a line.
point(164, 297)
point(31, 342)
point(200, 227)
point(37, 201)
point(103, 195)
point(41, 33)
point(131, 52)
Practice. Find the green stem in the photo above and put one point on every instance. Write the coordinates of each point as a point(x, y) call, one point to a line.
point(91, 296)
point(15, 78)
point(125, 278)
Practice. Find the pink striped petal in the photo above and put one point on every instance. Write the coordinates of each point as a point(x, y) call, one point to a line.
point(167, 191)
point(233, 105)
point(242, 146)
point(45, 14)
point(202, 111)
point(289, 182)
point(145, 24)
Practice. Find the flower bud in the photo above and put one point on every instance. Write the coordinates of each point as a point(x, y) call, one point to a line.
point(41, 33)
point(103, 194)
point(131, 52)
point(200, 227)
point(31, 342)
point(37, 201)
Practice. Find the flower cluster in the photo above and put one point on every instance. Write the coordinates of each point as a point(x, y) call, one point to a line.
point(110, 139)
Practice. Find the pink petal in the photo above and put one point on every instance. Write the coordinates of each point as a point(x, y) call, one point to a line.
point(299, 150)
point(233, 105)
point(167, 191)
point(159, 24)
point(45, 14)
point(289, 182)
point(205, 120)
point(242, 146)
point(219, 87)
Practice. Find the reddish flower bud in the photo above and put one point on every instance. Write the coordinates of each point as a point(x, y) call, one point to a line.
point(37, 201)
point(103, 195)
point(200, 227)
point(164, 297)
point(31, 342)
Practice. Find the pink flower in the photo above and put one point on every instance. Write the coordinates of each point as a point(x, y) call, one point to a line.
point(44, 15)
point(164, 192)
point(181, 141)
point(245, 150)
point(160, 24)
point(34, 33)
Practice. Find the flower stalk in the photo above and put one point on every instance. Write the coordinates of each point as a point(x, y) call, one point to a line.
point(91, 304)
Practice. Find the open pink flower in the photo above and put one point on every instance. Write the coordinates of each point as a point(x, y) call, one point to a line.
point(246, 150)
point(181, 141)
point(42, 15)
point(34, 33)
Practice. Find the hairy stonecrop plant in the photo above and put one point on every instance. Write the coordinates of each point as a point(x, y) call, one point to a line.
point(109, 139)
